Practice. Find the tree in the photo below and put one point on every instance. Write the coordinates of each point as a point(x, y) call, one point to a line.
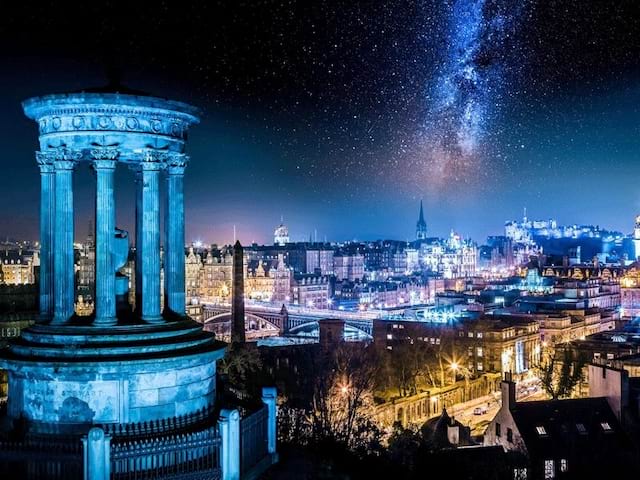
point(342, 400)
point(241, 366)
point(561, 372)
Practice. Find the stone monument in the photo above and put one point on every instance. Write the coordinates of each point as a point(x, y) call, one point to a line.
point(68, 373)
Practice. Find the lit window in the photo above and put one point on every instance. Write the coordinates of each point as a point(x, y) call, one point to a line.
point(479, 351)
point(564, 466)
point(582, 430)
point(606, 427)
point(541, 430)
point(479, 365)
point(479, 335)
point(520, 474)
point(389, 336)
point(549, 469)
point(470, 334)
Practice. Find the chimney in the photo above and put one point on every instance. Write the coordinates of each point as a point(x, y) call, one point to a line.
point(508, 388)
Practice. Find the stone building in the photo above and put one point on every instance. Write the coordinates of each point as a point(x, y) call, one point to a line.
point(479, 343)
point(311, 291)
point(571, 438)
point(348, 266)
point(17, 267)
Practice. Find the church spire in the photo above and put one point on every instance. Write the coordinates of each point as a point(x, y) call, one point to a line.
point(421, 226)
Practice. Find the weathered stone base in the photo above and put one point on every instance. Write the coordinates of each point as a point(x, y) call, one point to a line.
point(75, 377)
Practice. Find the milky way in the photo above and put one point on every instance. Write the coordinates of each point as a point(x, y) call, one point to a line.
point(465, 94)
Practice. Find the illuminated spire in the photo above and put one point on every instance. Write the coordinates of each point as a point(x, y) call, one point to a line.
point(421, 226)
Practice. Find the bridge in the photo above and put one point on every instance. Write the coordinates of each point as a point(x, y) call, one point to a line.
point(264, 320)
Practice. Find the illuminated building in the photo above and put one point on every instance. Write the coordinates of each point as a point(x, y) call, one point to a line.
point(281, 235)
point(630, 293)
point(636, 238)
point(348, 266)
point(481, 343)
point(319, 260)
point(18, 267)
point(310, 290)
point(569, 438)
point(192, 273)
point(268, 282)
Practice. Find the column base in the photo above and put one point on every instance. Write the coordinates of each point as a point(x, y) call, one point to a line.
point(60, 319)
point(105, 322)
point(153, 319)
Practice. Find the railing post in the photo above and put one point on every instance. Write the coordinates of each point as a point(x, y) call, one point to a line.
point(97, 455)
point(229, 426)
point(269, 395)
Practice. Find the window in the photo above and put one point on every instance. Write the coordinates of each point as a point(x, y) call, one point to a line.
point(461, 334)
point(479, 351)
point(564, 466)
point(389, 336)
point(480, 366)
point(582, 430)
point(470, 334)
point(509, 435)
point(549, 469)
point(479, 335)
point(606, 427)
point(498, 430)
point(470, 351)
point(609, 356)
point(520, 473)
point(541, 430)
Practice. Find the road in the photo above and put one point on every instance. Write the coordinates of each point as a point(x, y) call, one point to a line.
point(463, 412)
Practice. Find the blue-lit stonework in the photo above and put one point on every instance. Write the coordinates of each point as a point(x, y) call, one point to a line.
point(68, 373)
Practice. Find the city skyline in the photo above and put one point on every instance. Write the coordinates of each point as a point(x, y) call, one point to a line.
point(343, 130)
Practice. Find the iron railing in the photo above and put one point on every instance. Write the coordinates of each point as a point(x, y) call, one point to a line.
point(29, 459)
point(187, 456)
point(253, 439)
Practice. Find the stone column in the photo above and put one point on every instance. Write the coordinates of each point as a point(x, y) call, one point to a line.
point(269, 396)
point(64, 284)
point(174, 275)
point(47, 221)
point(229, 427)
point(138, 264)
point(150, 252)
point(104, 164)
point(96, 448)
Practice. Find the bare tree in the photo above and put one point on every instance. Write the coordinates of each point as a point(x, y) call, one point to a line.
point(560, 373)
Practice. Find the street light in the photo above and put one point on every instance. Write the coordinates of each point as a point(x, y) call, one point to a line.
point(454, 368)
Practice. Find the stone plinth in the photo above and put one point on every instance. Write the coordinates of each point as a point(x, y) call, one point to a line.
point(69, 378)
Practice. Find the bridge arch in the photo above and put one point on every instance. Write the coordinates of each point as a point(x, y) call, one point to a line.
point(255, 326)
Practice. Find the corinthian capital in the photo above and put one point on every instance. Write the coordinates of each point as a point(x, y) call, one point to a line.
point(176, 163)
point(67, 155)
point(45, 161)
point(153, 159)
point(105, 153)
point(104, 158)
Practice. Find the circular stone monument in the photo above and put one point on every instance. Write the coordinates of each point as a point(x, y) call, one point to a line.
point(122, 365)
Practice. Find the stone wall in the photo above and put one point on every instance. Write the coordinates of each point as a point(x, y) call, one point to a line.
point(112, 392)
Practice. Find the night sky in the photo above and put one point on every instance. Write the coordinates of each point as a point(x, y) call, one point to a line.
point(341, 116)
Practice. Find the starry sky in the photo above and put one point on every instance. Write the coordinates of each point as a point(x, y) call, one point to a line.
point(340, 116)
